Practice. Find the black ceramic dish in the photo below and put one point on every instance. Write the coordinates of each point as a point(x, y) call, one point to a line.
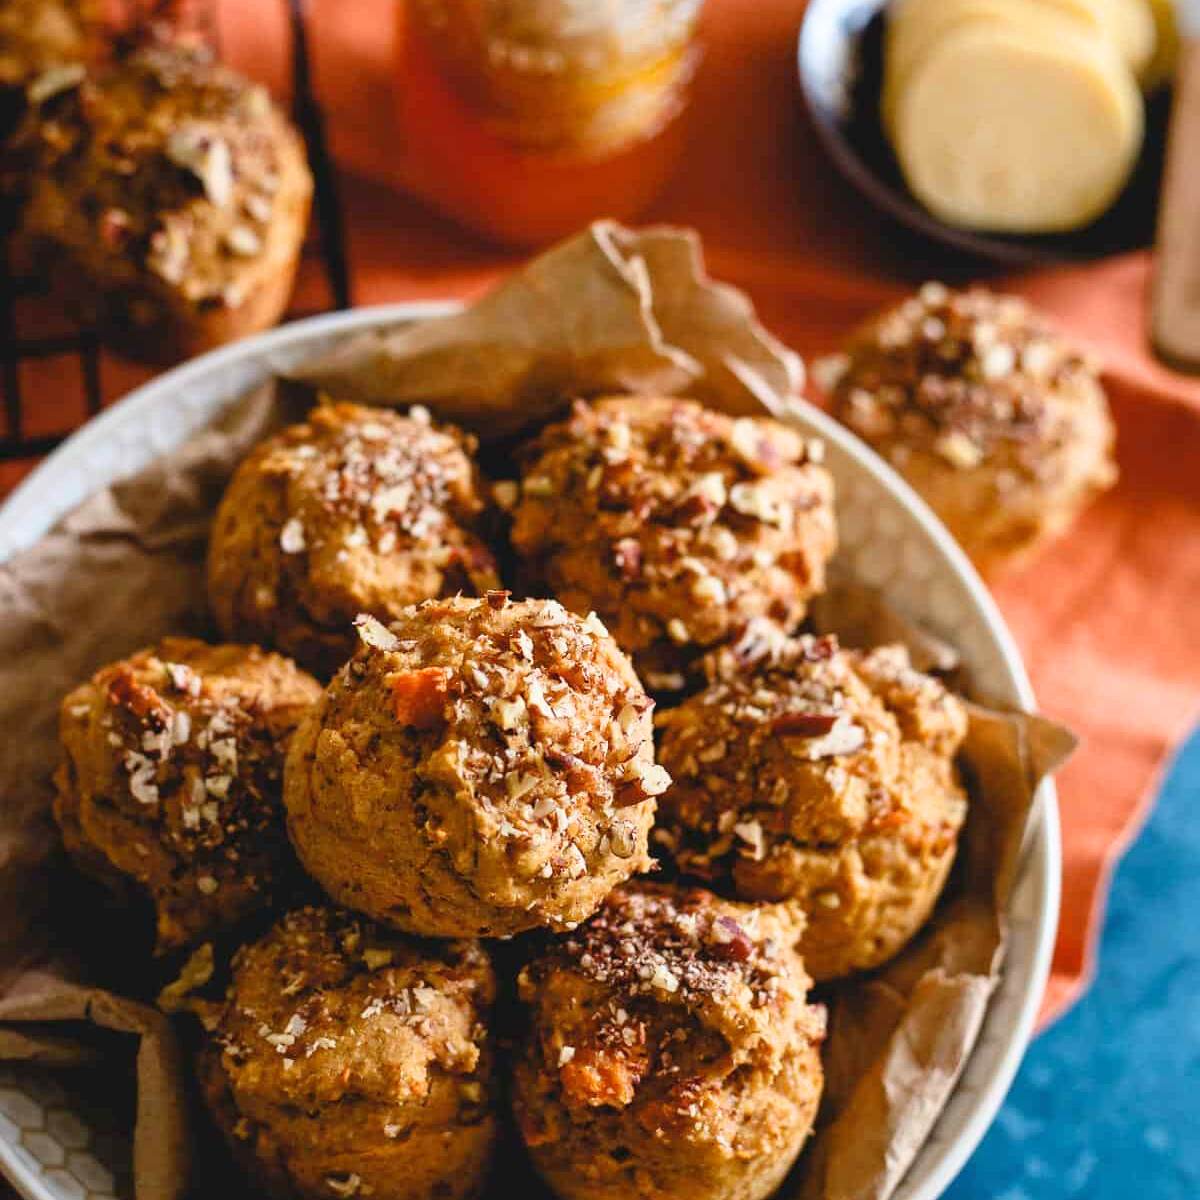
point(840, 58)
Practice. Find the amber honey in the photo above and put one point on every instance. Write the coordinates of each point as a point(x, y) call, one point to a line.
point(525, 119)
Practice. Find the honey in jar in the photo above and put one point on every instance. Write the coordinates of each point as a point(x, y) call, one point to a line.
point(525, 119)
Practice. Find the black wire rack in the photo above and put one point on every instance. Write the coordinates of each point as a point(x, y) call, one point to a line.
point(325, 247)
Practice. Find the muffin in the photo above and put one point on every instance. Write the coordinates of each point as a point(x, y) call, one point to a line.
point(997, 421)
point(168, 197)
point(349, 1060)
point(675, 524)
point(171, 780)
point(478, 768)
point(356, 510)
point(670, 1050)
point(824, 776)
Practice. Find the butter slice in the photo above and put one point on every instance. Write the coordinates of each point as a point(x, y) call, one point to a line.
point(915, 26)
point(1000, 127)
point(1131, 26)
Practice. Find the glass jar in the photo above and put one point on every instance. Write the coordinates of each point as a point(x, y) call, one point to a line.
point(525, 119)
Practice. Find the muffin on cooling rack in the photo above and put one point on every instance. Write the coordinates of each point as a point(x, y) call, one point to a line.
point(478, 768)
point(990, 414)
point(676, 524)
point(670, 1050)
point(44, 42)
point(355, 510)
point(170, 786)
point(349, 1060)
point(169, 197)
point(821, 775)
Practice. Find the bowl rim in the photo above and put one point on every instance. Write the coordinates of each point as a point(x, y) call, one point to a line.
point(38, 502)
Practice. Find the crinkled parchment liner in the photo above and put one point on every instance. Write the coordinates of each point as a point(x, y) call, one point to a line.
point(608, 310)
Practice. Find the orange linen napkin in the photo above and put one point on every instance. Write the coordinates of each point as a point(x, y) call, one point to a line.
point(1106, 618)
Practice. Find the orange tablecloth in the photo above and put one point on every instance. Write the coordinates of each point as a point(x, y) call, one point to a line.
point(1106, 619)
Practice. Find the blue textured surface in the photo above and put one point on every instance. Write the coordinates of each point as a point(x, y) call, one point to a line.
point(1107, 1103)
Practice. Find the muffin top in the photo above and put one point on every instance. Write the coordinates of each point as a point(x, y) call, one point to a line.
point(800, 741)
point(365, 478)
point(354, 510)
point(174, 762)
point(664, 985)
point(495, 760)
point(328, 1010)
point(675, 523)
point(167, 164)
point(528, 704)
point(970, 377)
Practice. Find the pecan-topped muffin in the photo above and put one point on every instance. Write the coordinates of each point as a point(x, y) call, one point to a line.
point(825, 776)
point(479, 767)
point(349, 1060)
point(670, 1050)
point(171, 196)
point(172, 778)
point(676, 524)
point(998, 422)
point(356, 510)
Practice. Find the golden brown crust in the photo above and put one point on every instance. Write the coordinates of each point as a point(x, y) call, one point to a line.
point(676, 524)
point(173, 195)
point(671, 1050)
point(999, 423)
point(480, 767)
point(356, 510)
point(350, 1060)
point(825, 776)
point(172, 779)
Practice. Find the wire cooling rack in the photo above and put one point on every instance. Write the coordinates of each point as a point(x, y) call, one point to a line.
point(40, 348)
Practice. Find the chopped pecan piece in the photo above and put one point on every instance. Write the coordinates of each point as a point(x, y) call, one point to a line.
point(695, 509)
point(803, 724)
point(576, 774)
point(651, 780)
point(627, 554)
point(143, 701)
point(731, 940)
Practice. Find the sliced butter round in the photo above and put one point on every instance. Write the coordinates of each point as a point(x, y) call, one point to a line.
point(999, 129)
point(915, 26)
point(1131, 26)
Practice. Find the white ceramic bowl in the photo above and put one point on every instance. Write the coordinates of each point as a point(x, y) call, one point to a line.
point(53, 1143)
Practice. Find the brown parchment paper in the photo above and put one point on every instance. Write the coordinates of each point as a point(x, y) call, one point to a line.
point(899, 1039)
point(611, 310)
point(608, 310)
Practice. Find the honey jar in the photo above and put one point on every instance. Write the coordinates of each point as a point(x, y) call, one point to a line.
point(525, 119)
